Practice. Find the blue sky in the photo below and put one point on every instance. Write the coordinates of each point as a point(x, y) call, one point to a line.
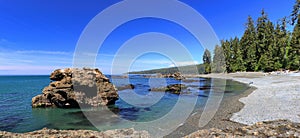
point(37, 36)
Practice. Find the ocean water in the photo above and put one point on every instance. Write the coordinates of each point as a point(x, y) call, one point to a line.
point(16, 114)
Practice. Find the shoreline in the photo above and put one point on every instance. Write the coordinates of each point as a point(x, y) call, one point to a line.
point(249, 107)
point(221, 120)
point(276, 97)
point(233, 112)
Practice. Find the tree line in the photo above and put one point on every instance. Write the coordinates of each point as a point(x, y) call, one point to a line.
point(265, 46)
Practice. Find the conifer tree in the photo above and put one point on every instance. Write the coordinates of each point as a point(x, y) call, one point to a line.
point(228, 54)
point(207, 61)
point(238, 63)
point(281, 45)
point(218, 65)
point(265, 42)
point(295, 12)
point(294, 52)
point(248, 45)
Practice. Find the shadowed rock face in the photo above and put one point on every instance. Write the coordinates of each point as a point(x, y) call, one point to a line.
point(73, 87)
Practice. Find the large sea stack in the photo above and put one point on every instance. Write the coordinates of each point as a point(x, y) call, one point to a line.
point(71, 88)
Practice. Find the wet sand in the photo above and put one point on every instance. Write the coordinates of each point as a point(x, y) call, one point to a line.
point(221, 119)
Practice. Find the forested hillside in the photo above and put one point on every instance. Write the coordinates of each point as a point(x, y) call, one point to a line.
point(265, 46)
point(187, 69)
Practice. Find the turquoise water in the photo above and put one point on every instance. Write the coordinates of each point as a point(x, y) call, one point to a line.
point(17, 115)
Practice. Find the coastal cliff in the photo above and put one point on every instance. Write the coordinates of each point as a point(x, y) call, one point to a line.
point(71, 88)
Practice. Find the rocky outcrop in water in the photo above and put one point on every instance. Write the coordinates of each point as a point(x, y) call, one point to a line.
point(129, 86)
point(73, 87)
point(52, 133)
point(176, 75)
point(172, 88)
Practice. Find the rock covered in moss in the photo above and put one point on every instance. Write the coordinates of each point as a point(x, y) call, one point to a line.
point(71, 88)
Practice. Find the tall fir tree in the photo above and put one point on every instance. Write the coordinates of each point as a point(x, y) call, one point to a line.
point(281, 45)
point(294, 52)
point(248, 45)
point(207, 61)
point(228, 54)
point(238, 63)
point(295, 12)
point(218, 65)
point(265, 42)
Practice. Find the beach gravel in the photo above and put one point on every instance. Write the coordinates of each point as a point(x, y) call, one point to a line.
point(276, 97)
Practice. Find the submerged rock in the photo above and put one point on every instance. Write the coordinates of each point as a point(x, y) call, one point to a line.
point(73, 87)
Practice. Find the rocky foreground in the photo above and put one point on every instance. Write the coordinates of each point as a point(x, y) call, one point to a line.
point(51, 133)
point(274, 129)
point(71, 88)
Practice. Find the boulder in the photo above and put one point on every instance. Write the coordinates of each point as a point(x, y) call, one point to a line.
point(71, 88)
point(176, 75)
point(125, 87)
point(172, 88)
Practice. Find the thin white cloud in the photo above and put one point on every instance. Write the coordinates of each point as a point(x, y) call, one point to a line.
point(40, 62)
point(149, 61)
point(4, 44)
point(44, 52)
point(27, 70)
point(28, 67)
point(44, 62)
point(184, 63)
